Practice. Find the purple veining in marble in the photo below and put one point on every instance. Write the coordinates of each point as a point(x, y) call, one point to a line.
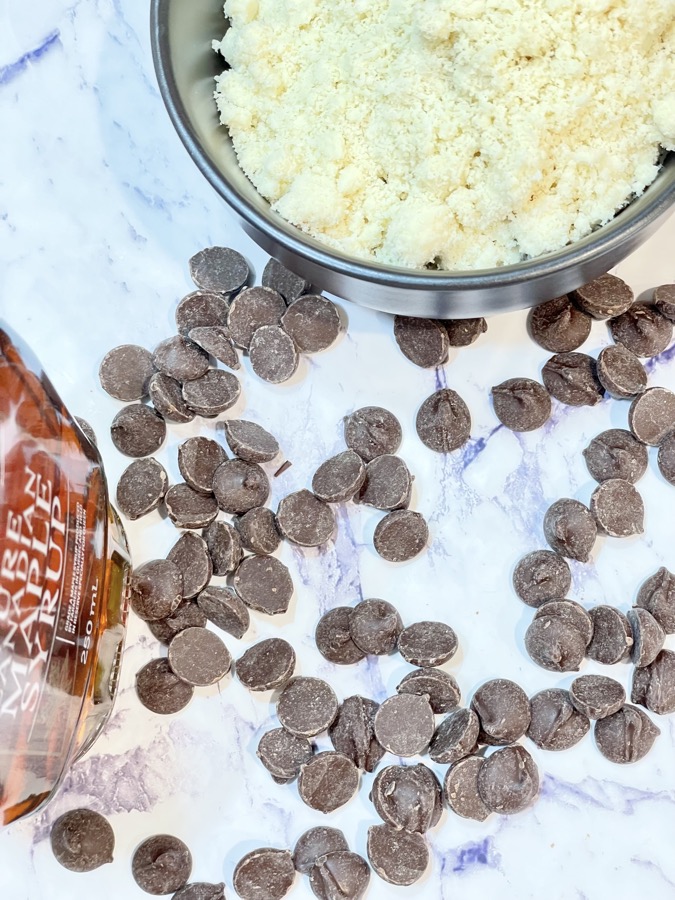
point(11, 71)
point(663, 358)
point(471, 855)
point(600, 793)
point(476, 446)
point(651, 866)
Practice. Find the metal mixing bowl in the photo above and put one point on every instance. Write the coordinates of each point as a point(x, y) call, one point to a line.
point(182, 32)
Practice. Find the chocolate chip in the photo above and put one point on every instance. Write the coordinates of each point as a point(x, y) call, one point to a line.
point(407, 797)
point(353, 733)
point(541, 576)
point(648, 636)
point(199, 657)
point(224, 546)
point(281, 279)
point(265, 874)
point(258, 530)
point(82, 840)
point(462, 332)
point(556, 724)
point(333, 637)
point(274, 356)
point(156, 589)
point(166, 395)
point(399, 857)
point(371, 432)
point(340, 875)
point(654, 684)
point(558, 325)
point(126, 371)
point(664, 300)
point(627, 736)
point(137, 430)
point(521, 404)
point(401, 535)
point(508, 780)
point(666, 457)
point(219, 269)
point(201, 890)
point(161, 864)
point(188, 508)
point(657, 595)
point(340, 478)
point(616, 454)
point(305, 520)
point(388, 483)
point(427, 643)
point(307, 706)
point(460, 789)
point(213, 393)
point(570, 529)
point(618, 508)
point(404, 724)
point(266, 665)
point(651, 416)
point(250, 441)
point(252, 309)
point(201, 309)
point(240, 485)
point(328, 781)
point(191, 555)
point(443, 421)
point(455, 737)
point(603, 297)
point(423, 341)
point(554, 644)
point(620, 372)
point(503, 711)
point(221, 606)
point(216, 341)
point(440, 687)
point(141, 488)
point(160, 690)
point(264, 583)
point(180, 358)
point(188, 614)
point(375, 626)
point(314, 843)
point(612, 635)
point(283, 754)
point(572, 379)
point(87, 430)
point(642, 329)
point(312, 322)
point(571, 613)
point(198, 459)
point(597, 696)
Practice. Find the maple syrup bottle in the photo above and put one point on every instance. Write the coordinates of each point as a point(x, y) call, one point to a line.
point(64, 575)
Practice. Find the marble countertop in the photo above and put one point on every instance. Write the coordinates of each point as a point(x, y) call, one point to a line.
point(100, 210)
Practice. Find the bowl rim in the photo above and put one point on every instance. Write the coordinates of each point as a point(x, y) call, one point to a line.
point(604, 241)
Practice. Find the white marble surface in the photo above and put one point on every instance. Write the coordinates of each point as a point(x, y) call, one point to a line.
point(100, 209)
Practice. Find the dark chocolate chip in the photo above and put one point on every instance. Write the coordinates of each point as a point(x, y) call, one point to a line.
point(648, 636)
point(265, 874)
point(240, 485)
point(252, 309)
point(340, 478)
point(353, 733)
point(372, 431)
point(558, 325)
point(82, 840)
point(463, 332)
point(620, 372)
point(180, 358)
point(216, 341)
point(213, 393)
point(219, 269)
point(223, 607)
point(572, 379)
point(642, 329)
point(503, 711)
point(187, 615)
point(274, 356)
point(166, 395)
point(460, 789)
point(664, 300)
point(314, 843)
point(657, 595)
point(423, 341)
point(541, 576)
point(126, 371)
point(401, 535)
point(201, 309)
point(340, 875)
point(375, 626)
point(455, 737)
point(554, 644)
point(399, 857)
point(521, 404)
point(570, 529)
point(616, 454)
point(627, 736)
point(281, 279)
point(571, 613)
point(224, 546)
point(266, 665)
point(443, 421)
point(651, 416)
point(666, 457)
point(161, 864)
point(307, 706)
point(201, 890)
point(87, 430)
point(188, 508)
point(333, 637)
point(612, 635)
point(439, 686)
point(156, 589)
point(283, 754)
point(191, 555)
point(404, 724)
point(328, 781)
point(604, 297)
point(388, 483)
point(258, 530)
point(556, 724)
point(654, 684)
point(250, 441)
point(508, 780)
point(618, 508)
point(198, 459)
point(137, 430)
point(160, 690)
point(199, 657)
point(264, 583)
point(141, 488)
point(305, 520)
point(427, 643)
point(312, 322)
point(597, 696)
point(407, 797)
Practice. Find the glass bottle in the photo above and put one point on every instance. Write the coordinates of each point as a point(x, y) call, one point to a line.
point(64, 575)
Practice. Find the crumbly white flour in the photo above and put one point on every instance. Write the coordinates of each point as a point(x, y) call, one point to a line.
point(460, 133)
